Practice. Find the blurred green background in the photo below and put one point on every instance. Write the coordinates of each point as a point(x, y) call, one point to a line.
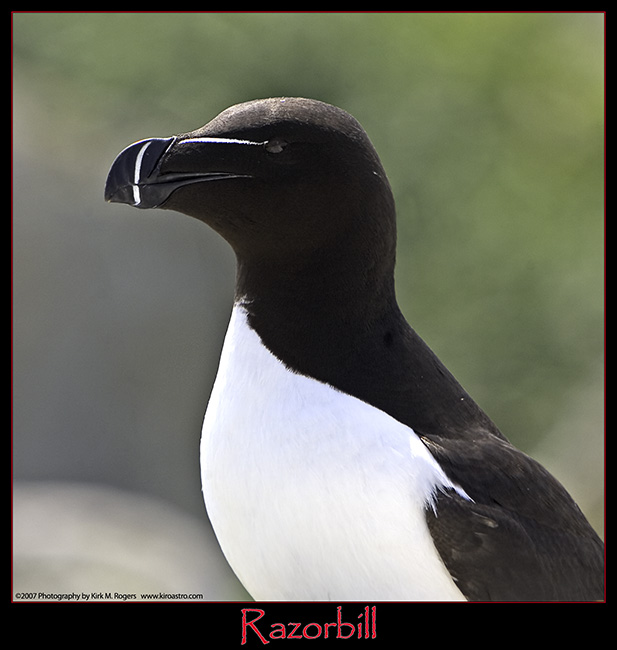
point(491, 128)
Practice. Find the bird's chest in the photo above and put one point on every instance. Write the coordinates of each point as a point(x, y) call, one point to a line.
point(312, 493)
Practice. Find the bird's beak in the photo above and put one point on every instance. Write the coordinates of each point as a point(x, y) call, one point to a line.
point(135, 177)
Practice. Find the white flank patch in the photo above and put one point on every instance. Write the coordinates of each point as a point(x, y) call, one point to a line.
point(314, 494)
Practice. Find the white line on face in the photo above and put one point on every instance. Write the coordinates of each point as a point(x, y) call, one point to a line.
point(219, 140)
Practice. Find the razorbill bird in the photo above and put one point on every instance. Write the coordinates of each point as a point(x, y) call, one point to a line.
point(340, 459)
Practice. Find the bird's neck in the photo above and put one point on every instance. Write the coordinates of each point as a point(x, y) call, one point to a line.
point(342, 326)
point(321, 305)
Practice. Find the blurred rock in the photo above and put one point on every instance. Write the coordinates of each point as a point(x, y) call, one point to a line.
point(92, 539)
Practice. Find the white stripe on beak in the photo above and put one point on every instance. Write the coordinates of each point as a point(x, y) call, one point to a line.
point(138, 161)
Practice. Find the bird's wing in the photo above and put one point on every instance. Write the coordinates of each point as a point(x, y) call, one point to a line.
point(521, 536)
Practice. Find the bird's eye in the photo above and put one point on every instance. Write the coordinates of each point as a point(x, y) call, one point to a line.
point(275, 146)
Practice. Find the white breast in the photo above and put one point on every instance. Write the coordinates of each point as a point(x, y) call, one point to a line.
point(314, 494)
